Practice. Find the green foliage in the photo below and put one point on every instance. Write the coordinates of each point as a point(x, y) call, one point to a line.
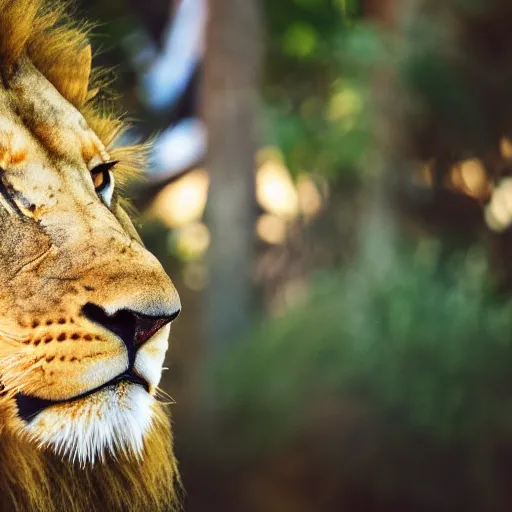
point(319, 120)
point(429, 352)
point(449, 59)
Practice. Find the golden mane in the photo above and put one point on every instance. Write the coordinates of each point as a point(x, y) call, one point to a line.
point(38, 481)
point(59, 48)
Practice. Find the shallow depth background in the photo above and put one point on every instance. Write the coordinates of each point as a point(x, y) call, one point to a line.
point(329, 191)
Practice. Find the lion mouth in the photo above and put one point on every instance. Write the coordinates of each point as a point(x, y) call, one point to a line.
point(30, 406)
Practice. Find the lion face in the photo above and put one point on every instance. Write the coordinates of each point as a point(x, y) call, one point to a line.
point(85, 309)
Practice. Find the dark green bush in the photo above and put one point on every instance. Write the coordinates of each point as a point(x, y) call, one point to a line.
point(426, 353)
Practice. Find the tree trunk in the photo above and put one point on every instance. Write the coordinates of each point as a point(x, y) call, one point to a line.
point(379, 230)
point(230, 102)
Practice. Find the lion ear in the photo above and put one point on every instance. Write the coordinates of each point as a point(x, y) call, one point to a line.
point(72, 79)
point(17, 18)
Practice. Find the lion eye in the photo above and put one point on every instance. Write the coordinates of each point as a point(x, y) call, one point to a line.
point(103, 181)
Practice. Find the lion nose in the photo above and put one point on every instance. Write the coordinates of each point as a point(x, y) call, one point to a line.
point(132, 327)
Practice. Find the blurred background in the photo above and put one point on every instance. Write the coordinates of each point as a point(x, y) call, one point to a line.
point(330, 188)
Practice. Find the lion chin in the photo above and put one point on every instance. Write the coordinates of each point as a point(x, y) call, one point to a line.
point(113, 420)
point(41, 480)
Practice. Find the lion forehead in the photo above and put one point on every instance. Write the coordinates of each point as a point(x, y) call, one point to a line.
point(54, 122)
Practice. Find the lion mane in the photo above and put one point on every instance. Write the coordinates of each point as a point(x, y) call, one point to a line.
point(33, 478)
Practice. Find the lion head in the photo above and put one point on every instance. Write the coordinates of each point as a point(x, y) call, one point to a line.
point(85, 309)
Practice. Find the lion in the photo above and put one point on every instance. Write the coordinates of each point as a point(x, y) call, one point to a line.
point(85, 309)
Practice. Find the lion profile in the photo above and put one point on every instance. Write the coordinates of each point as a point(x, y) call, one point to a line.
point(85, 309)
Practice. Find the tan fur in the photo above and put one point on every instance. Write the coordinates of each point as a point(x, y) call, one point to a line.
point(61, 247)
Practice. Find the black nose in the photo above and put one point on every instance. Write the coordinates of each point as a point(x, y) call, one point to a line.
point(132, 327)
